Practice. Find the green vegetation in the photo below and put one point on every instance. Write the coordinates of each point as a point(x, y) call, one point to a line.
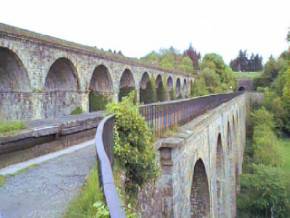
point(24, 170)
point(2, 180)
point(10, 127)
point(125, 91)
point(133, 148)
point(265, 187)
point(148, 95)
point(247, 75)
point(76, 111)
point(98, 101)
point(172, 59)
point(161, 92)
point(215, 77)
point(89, 203)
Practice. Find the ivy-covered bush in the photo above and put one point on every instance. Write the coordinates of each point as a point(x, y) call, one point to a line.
point(161, 92)
point(98, 101)
point(133, 148)
point(125, 91)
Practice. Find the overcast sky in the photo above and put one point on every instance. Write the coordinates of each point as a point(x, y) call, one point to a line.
point(137, 27)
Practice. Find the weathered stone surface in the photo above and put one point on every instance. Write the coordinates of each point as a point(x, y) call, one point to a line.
point(201, 165)
point(45, 77)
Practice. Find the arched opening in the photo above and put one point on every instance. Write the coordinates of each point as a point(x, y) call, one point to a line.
point(147, 90)
point(160, 89)
point(199, 197)
point(178, 89)
point(241, 89)
point(15, 90)
point(127, 84)
point(62, 88)
point(185, 88)
point(100, 89)
point(220, 175)
point(229, 138)
point(170, 89)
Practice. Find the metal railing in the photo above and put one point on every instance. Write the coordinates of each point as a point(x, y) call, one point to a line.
point(164, 115)
point(159, 116)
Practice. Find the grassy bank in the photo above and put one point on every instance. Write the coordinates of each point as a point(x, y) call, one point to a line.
point(82, 205)
point(247, 75)
point(10, 127)
point(284, 149)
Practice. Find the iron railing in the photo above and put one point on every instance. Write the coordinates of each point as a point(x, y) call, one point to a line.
point(159, 116)
point(164, 115)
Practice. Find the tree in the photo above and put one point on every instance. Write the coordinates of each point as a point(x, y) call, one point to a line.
point(193, 55)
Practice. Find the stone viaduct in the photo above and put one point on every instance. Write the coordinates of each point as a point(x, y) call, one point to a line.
point(201, 165)
point(46, 77)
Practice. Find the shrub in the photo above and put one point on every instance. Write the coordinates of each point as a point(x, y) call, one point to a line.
point(98, 101)
point(263, 193)
point(133, 148)
point(76, 111)
point(161, 92)
point(125, 91)
point(148, 95)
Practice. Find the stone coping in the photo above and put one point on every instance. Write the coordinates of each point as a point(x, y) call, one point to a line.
point(61, 126)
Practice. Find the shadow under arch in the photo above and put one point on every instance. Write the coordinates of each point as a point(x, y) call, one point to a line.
point(100, 89)
point(200, 196)
point(62, 89)
point(127, 84)
point(15, 87)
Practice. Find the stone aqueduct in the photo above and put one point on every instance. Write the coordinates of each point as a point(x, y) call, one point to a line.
point(45, 77)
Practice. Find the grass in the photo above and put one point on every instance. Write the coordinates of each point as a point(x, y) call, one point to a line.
point(2, 180)
point(82, 205)
point(10, 127)
point(24, 170)
point(285, 153)
point(247, 75)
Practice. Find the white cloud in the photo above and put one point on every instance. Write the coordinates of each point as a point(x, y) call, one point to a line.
point(136, 27)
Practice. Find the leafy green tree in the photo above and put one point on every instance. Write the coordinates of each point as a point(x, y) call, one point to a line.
point(263, 193)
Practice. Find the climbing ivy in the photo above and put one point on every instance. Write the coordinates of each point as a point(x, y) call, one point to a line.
point(125, 91)
point(148, 95)
point(98, 101)
point(133, 147)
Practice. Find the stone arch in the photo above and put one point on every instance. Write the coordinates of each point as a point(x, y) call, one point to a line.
point(127, 84)
point(160, 89)
point(13, 75)
point(200, 197)
point(15, 89)
point(62, 76)
point(185, 88)
point(170, 88)
point(220, 176)
point(62, 89)
point(178, 88)
point(146, 90)
point(100, 88)
point(229, 138)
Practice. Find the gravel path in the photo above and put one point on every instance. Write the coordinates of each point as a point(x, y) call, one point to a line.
point(44, 191)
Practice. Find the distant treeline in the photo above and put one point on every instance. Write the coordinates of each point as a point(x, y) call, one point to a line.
point(247, 64)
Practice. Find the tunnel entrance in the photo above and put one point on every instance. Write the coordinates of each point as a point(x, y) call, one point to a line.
point(15, 90)
point(61, 86)
point(127, 84)
point(100, 89)
point(199, 197)
point(241, 89)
